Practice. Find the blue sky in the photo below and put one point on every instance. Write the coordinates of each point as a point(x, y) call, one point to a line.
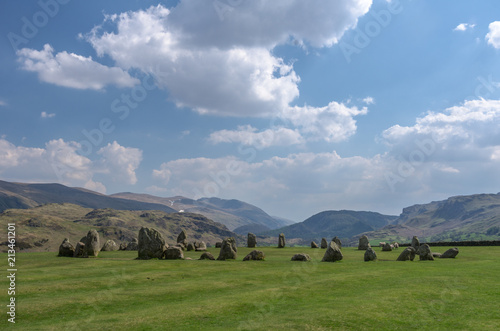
point(296, 107)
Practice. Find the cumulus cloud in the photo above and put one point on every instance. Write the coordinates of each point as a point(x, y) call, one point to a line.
point(493, 36)
point(248, 136)
point(59, 161)
point(464, 26)
point(72, 70)
point(47, 115)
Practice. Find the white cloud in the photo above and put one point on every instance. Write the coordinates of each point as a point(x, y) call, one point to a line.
point(248, 135)
point(3, 103)
point(120, 162)
point(47, 115)
point(493, 36)
point(369, 100)
point(72, 70)
point(222, 62)
point(59, 161)
point(464, 26)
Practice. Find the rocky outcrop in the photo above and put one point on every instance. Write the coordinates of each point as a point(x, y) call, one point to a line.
point(66, 249)
point(252, 240)
point(407, 255)
point(370, 255)
point(450, 254)
point(151, 244)
point(364, 243)
point(228, 250)
point(110, 246)
point(301, 257)
point(281, 240)
point(333, 253)
point(255, 255)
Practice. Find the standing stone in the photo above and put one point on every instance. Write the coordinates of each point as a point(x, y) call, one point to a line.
point(396, 245)
point(370, 255)
point(415, 243)
point(181, 238)
point(450, 254)
point(252, 240)
point(324, 243)
point(200, 246)
point(133, 245)
point(281, 240)
point(92, 244)
point(425, 253)
point(407, 255)
point(387, 247)
point(228, 249)
point(337, 241)
point(190, 247)
point(173, 253)
point(333, 253)
point(80, 250)
point(301, 257)
point(151, 244)
point(255, 255)
point(207, 256)
point(110, 246)
point(314, 245)
point(364, 243)
point(218, 244)
point(66, 249)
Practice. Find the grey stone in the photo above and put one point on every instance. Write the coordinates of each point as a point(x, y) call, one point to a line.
point(370, 255)
point(333, 253)
point(80, 250)
point(133, 245)
point(281, 240)
point(207, 256)
point(436, 255)
point(415, 243)
point(425, 253)
point(450, 254)
point(364, 243)
point(66, 249)
point(182, 237)
point(407, 255)
point(200, 246)
point(252, 240)
point(301, 257)
point(92, 243)
point(123, 247)
point(109, 246)
point(337, 241)
point(387, 247)
point(218, 244)
point(324, 243)
point(190, 247)
point(255, 255)
point(228, 249)
point(173, 253)
point(314, 245)
point(151, 244)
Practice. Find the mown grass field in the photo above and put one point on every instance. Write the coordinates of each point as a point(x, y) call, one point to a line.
point(116, 292)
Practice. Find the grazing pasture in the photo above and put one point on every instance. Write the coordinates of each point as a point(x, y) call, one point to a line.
point(116, 292)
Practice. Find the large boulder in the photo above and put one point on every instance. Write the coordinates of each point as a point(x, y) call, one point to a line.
point(370, 255)
point(80, 250)
point(200, 246)
point(450, 254)
point(228, 250)
point(364, 243)
point(66, 249)
point(252, 240)
point(387, 247)
point(314, 245)
point(407, 255)
point(424, 251)
point(133, 245)
point(182, 238)
point(337, 241)
point(109, 246)
point(281, 240)
point(207, 256)
point(324, 243)
point(92, 243)
point(415, 243)
point(151, 244)
point(301, 257)
point(173, 253)
point(255, 255)
point(332, 253)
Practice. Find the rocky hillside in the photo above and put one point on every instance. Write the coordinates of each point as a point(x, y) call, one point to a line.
point(343, 223)
point(472, 217)
point(43, 228)
point(20, 195)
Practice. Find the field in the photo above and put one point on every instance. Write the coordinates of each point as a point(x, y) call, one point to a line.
point(116, 292)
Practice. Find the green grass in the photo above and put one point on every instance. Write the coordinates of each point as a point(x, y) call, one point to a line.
point(116, 292)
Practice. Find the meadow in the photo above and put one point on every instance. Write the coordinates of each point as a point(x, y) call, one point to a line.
point(116, 292)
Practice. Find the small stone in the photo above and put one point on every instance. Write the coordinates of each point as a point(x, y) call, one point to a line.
point(255, 255)
point(207, 256)
point(450, 254)
point(301, 257)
